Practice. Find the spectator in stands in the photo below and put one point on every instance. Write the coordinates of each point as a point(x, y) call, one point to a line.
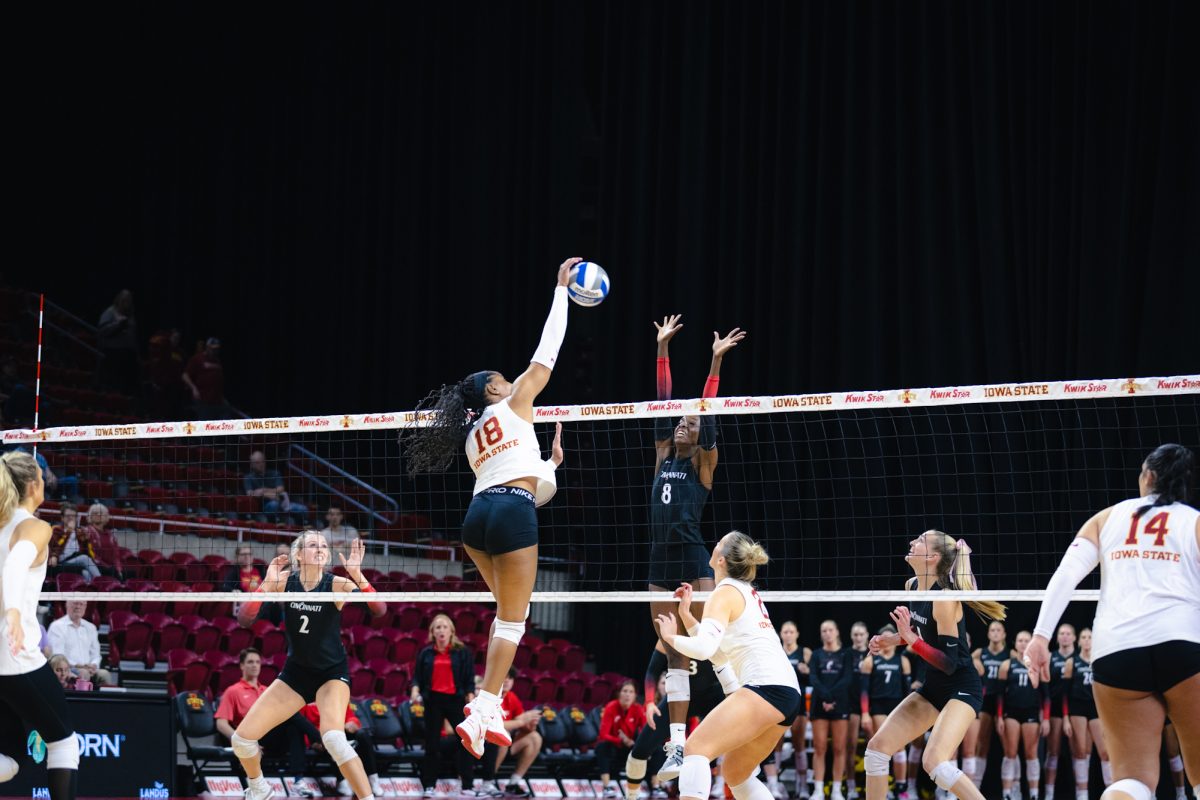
point(337, 532)
point(444, 681)
point(54, 486)
point(168, 393)
point(104, 548)
point(205, 378)
point(245, 575)
point(62, 670)
point(364, 745)
point(70, 548)
point(288, 737)
point(116, 336)
point(527, 744)
point(268, 484)
point(619, 726)
point(76, 638)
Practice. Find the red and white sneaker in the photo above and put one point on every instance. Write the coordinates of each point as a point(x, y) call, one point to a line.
point(471, 731)
point(493, 723)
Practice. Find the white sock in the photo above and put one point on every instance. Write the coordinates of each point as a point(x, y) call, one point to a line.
point(1049, 792)
point(515, 777)
point(1081, 794)
point(367, 797)
point(678, 732)
point(851, 787)
point(772, 781)
point(258, 782)
point(486, 701)
point(819, 789)
point(1106, 771)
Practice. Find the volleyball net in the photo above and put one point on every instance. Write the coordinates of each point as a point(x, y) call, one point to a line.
point(835, 485)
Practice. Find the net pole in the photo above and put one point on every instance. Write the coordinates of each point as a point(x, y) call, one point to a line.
point(37, 390)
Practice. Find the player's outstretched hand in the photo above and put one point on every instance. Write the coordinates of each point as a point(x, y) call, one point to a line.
point(1037, 660)
point(723, 344)
point(564, 270)
point(276, 570)
point(556, 451)
point(903, 621)
point(352, 564)
point(667, 626)
point(670, 326)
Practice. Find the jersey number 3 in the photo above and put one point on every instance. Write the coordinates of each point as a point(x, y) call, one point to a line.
point(1157, 526)
point(489, 431)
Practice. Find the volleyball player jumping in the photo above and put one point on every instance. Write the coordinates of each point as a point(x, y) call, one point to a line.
point(952, 693)
point(500, 532)
point(685, 461)
point(316, 668)
point(1146, 635)
point(735, 629)
point(30, 695)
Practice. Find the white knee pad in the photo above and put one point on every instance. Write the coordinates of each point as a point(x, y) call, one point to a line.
point(901, 757)
point(1134, 788)
point(242, 747)
point(695, 779)
point(1010, 769)
point(1080, 765)
point(678, 686)
point(8, 768)
point(1033, 770)
point(1177, 764)
point(875, 763)
point(753, 789)
point(946, 774)
point(63, 754)
point(338, 746)
point(509, 631)
point(1051, 763)
point(635, 769)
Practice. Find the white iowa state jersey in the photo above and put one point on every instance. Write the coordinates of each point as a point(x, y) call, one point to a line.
point(751, 645)
point(1149, 577)
point(30, 657)
point(502, 447)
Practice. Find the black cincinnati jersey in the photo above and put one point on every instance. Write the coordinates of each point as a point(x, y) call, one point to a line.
point(856, 676)
point(829, 674)
point(1020, 693)
point(1081, 679)
point(702, 678)
point(314, 627)
point(677, 501)
point(991, 670)
point(926, 627)
point(886, 681)
point(1057, 685)
point(796, 658)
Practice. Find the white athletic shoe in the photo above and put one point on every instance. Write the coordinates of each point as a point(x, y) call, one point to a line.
point(836, 792)
point(778, 792)
point(264, 792)
point(472, 731)
point(493, 725)
point(344, 790)
point(670, 768)
point(718, 788)
point(611, 792)
point(853, 794)
point(801, 789)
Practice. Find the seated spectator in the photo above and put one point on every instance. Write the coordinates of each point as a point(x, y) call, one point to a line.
point(62, 670)
point(205, 379)
point(76, 638)
point(268, 484)
point(527, 744)
point(337, 533)
point(102, 542)
point(168, 393)
point(244, 575)
point(69, 548)
point(364, 745)
point(116, 336)
point(443, 681)
point(619, 726)
point(288, 737)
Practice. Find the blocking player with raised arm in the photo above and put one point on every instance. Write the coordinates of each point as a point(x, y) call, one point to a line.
point(1146, 634)
point(1024, 719)
point(494, 417)
point(952, 694)
point(685, 460)
point(30, 694)
point(316, 668)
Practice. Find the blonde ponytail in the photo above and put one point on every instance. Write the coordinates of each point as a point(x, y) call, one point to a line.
point(743, 556)
point(954, 572)
point(17, 471)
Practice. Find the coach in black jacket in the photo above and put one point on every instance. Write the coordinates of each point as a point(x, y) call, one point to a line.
point(444, 682)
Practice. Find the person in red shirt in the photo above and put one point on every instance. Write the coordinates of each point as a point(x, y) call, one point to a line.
point(245, 575)
point(205, 378)
point(288, 737)
point(363, 744)
point(444, 680)
point(527, 743)
point(102, 542)
point(619, 726)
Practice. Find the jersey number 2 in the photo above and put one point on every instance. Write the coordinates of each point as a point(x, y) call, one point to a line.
point(1157, 526)
point(303, 623)
point(491, 431)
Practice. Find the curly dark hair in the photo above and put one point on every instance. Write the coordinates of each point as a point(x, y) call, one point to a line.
point(1172, 468)
point(454, 408)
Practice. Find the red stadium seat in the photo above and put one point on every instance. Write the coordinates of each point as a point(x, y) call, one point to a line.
point(372, 648)
point(572, 660)
point(68, 581)
point(133, 643)
point(273, 642)
point(545, 690)
point(410, 618)
point(206, 637)
point(268, 674)
point(394, 683)
point(466, 621)
point(221, 679)
point(224, 624)
point(545, 657)
point(354, 614)
point(523, 657)
point(238, 640)
point(180, 657)
point(170, 636)
point(560, 644)
point(600, 692)
point(191, 621)
point(120, 620)
point(192, 678)
point(362, 682)
point(573, 690)
point(219, 659)
point(404, 651)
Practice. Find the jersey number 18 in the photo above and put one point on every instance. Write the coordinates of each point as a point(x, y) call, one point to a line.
point(489, 431)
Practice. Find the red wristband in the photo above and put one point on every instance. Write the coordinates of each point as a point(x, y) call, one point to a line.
point(710, 386)
point(369, 590)
point(663, 378)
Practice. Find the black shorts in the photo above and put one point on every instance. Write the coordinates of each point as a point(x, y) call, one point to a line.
point(882, 706)
point(673, 564)
point(785, 699)
point(1148, 669)
point(500, 520)
point(650, 741)
point(305, 681)
point(1023, 715)
point(964, 685)
point(1082, 708)
point(841, 710)
point(32, 701)
point(989, 704)
point(1056, 707)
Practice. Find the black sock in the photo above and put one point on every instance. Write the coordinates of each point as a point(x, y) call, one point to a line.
point(63, 783)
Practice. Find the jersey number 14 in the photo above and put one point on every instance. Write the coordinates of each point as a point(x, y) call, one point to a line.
point(1156, 526)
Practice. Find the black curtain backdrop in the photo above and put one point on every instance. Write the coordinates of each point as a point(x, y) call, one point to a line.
point(367, 200)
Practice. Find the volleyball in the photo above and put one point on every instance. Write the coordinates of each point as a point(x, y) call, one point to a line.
point(588, 284)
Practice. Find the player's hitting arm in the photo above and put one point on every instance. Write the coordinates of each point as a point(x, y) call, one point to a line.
point(708, 423)
point(529, 385)
point(664, 426)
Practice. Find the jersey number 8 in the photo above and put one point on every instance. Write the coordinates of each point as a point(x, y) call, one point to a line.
point(491, 431)
point(666, 494)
